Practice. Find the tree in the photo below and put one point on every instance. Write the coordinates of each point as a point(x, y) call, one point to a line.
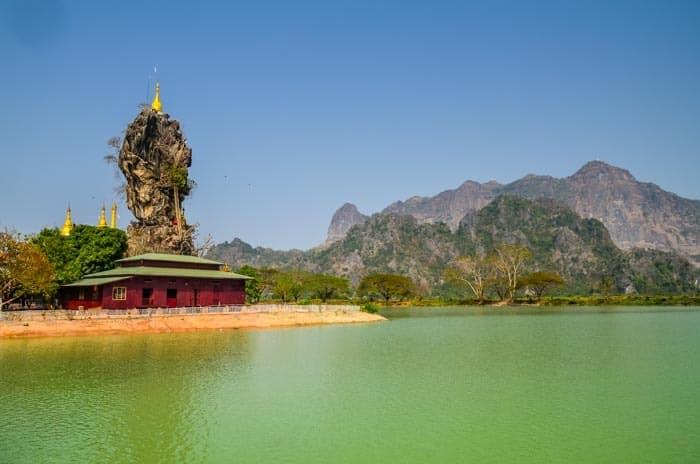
point(262, 283)
point(24, 270)
point(387, 286)
point(539, 282)
point(499, 285)
point(289, 285)
point(472, 271)
point(509, 261)
point(253, 289)
point(266, 280)
point(607, 287)
point(61, 253)
point(325, 286)
point(86, 250)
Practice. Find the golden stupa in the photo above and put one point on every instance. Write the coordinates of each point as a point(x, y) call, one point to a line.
point(113, 218)
point(156, 104)
point(103, 218)
point(67, 224)
point(102, 222)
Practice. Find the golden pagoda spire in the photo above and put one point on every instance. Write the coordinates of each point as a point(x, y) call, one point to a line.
point(103, 218)
point(156, 104)
point(113, 218)
point(67, 224)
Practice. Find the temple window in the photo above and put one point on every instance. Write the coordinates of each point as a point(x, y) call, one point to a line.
point(119, 293)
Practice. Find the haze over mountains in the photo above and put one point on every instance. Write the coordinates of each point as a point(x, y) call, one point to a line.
point(599, 222)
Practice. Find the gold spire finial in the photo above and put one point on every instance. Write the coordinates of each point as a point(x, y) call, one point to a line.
point(113, 218)
point(103, 218)
point(156, 104)
point(67, 224)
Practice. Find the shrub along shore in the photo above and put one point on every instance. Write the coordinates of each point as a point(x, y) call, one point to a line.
point(594, 300)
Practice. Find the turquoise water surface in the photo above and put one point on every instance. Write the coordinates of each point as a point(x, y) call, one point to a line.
point(432, 385)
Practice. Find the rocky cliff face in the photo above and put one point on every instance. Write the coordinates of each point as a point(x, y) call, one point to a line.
point(391, 243)
point(449, 206)
point(154, 159)
point(344, 218)
point(638, 215)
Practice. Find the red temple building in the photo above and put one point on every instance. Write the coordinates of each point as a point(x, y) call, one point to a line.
point(157, 280)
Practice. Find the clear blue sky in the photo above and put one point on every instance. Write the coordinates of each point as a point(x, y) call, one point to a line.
point(293, 108)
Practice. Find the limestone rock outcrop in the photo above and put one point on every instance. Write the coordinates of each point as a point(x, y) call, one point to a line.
point(637, 214)
point(449, 206)
point(344, 218)
point(154, 159)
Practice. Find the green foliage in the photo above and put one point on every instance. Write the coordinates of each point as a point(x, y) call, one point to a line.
point(326, 286)
point(656, 272)
point(606, 287)
point(391, 244)
point(386, 286)
point(24, 270)
point(469, 271)
point(179, 178)
point(498, 286)
point(289, 285)
point(623, 300)
point(292, 285)
point(61, 253)
point(369, 308)
point(541, 281)
point(253, 289)
point(580, 250)
point(86, 250)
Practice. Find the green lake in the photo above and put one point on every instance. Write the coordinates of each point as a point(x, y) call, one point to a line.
point(439, 385)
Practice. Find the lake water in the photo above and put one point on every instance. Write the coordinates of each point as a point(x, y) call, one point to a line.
point(433, 385)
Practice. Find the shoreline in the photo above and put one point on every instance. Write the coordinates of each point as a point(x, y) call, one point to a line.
point(181, 323)
point(573, 301)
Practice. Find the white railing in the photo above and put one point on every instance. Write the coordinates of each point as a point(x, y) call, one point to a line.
point(141, 313)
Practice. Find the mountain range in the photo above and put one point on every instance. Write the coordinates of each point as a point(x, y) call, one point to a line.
point(637, 214)
point(598, 222)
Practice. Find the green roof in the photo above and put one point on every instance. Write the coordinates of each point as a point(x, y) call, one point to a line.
point(169, 258)
point(166, 272)
point(91, 282)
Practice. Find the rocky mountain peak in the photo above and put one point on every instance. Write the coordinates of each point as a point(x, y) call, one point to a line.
point(344, 218)
point(602, 172)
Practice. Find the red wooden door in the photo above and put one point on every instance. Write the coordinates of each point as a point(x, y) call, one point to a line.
point(217, 295)
point(171, 297)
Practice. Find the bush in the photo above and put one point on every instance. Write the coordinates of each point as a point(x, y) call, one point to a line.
point(369, 308)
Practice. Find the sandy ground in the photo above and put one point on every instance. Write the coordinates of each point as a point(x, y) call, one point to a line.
point(180, 323)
